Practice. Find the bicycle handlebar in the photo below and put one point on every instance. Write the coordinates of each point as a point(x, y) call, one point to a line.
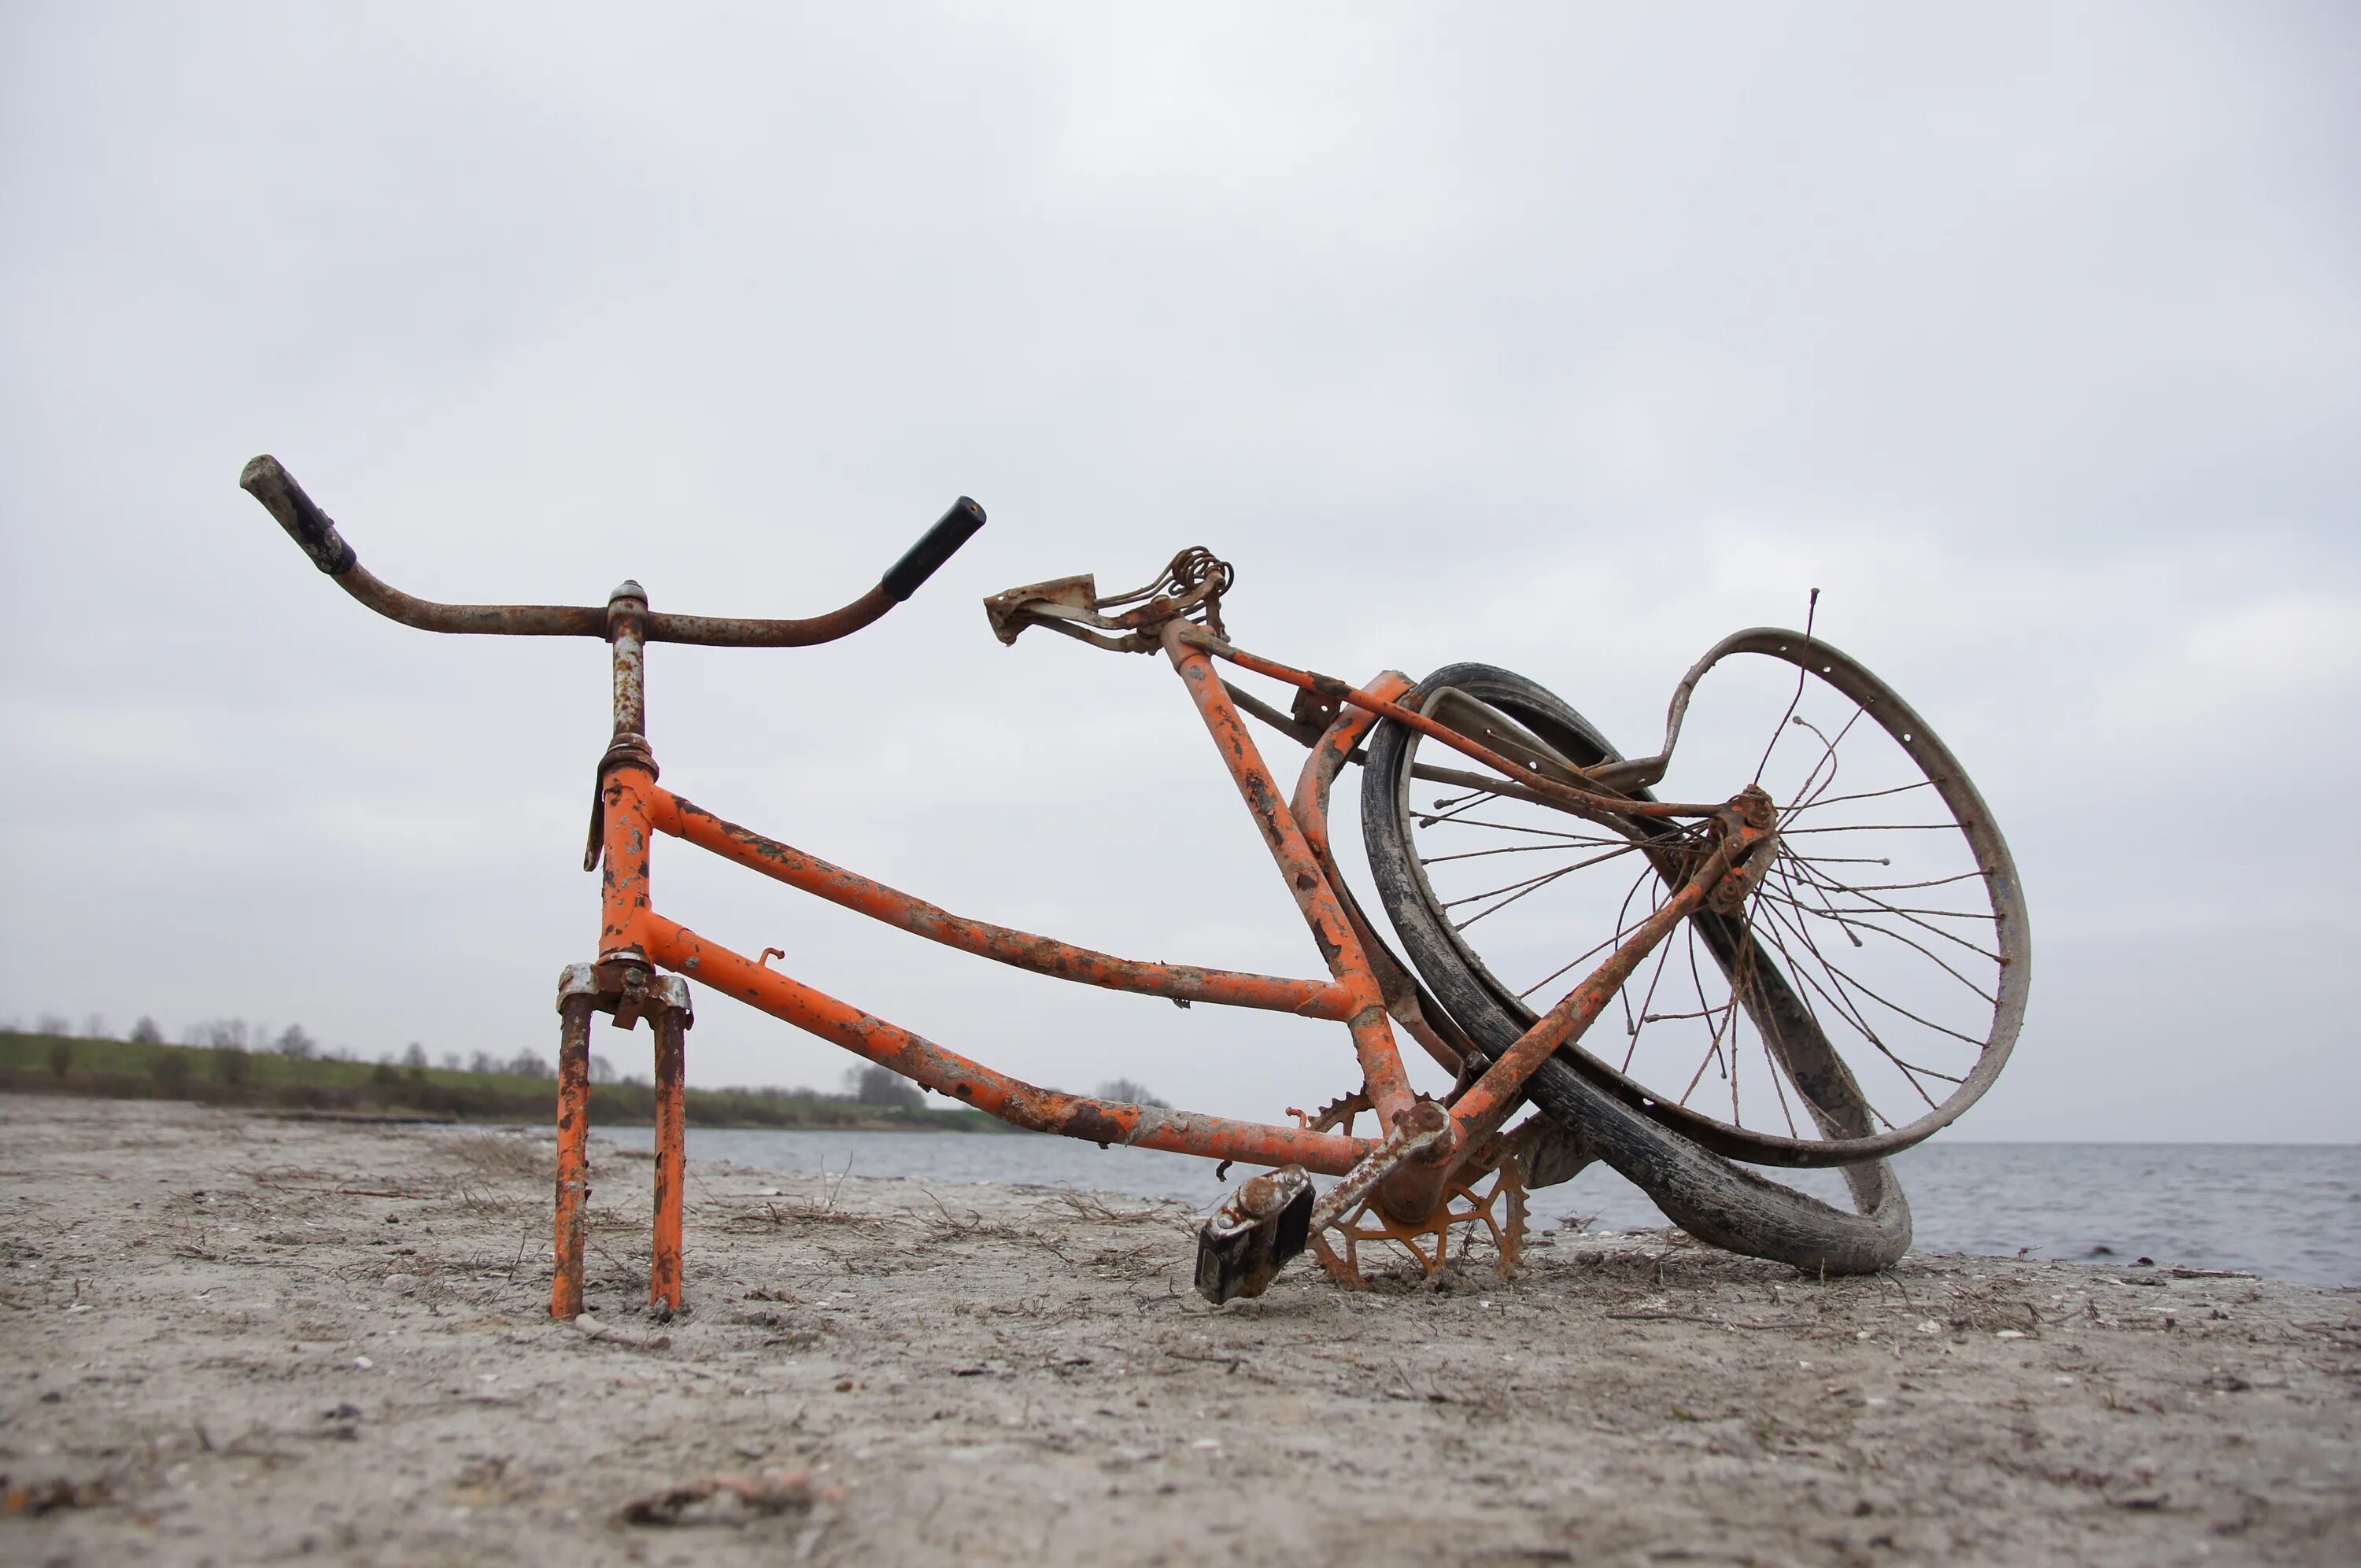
point(921, 561)
point(315, 533)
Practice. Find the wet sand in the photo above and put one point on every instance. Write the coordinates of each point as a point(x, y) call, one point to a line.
point(229, 1338)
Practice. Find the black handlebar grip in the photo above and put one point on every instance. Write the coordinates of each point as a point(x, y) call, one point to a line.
point(305, 524)
point(957, 527)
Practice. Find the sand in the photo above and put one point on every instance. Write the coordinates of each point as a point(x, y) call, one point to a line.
point(226, 1338)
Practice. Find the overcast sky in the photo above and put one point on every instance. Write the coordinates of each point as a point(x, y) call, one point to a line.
point(1568, 338)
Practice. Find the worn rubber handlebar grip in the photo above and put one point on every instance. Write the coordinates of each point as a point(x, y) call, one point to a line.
point(305, 524)
point(957, 527)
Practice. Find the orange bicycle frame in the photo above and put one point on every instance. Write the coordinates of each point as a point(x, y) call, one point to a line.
point(1365, 988)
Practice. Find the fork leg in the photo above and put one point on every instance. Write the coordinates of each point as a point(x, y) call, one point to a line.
point(573, 1153)
point(663, 1273)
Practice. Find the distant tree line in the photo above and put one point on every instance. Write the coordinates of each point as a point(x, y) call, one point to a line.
point(243, 1061)
point(236, 1039)
point(237, 1063)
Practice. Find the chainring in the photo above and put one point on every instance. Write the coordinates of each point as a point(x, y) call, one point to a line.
point(1498, 1208)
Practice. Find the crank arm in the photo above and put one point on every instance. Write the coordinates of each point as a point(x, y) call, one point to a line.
point(1404, 1144)
point(1268, 1221)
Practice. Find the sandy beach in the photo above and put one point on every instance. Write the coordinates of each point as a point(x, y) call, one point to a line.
point(226, 1338)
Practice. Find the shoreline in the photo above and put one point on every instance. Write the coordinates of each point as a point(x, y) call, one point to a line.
point(2287, 1214)
point(229, 1337)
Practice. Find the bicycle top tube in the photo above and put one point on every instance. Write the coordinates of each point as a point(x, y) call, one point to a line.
point(315, 532)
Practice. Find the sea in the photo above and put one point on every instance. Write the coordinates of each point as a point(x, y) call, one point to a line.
point(2281, 1211)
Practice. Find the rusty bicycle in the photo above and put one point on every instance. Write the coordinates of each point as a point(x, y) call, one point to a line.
point(1820, 967)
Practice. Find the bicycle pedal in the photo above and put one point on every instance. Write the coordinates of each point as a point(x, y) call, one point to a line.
point(1254, 1234)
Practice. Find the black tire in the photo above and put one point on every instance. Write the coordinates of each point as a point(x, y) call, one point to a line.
point(1713, 1199)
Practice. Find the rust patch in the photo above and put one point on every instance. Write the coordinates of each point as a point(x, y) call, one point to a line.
point(1087, 1121)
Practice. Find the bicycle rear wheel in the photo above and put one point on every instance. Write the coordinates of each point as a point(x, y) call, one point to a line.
point(1866, 993)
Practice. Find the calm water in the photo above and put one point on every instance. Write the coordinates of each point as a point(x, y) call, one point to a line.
point(2291, 1212)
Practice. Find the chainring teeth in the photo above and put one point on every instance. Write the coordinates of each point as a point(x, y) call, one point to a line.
point(1338, 1114)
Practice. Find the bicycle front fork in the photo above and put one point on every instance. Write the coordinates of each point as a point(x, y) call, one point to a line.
point(630, 991)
